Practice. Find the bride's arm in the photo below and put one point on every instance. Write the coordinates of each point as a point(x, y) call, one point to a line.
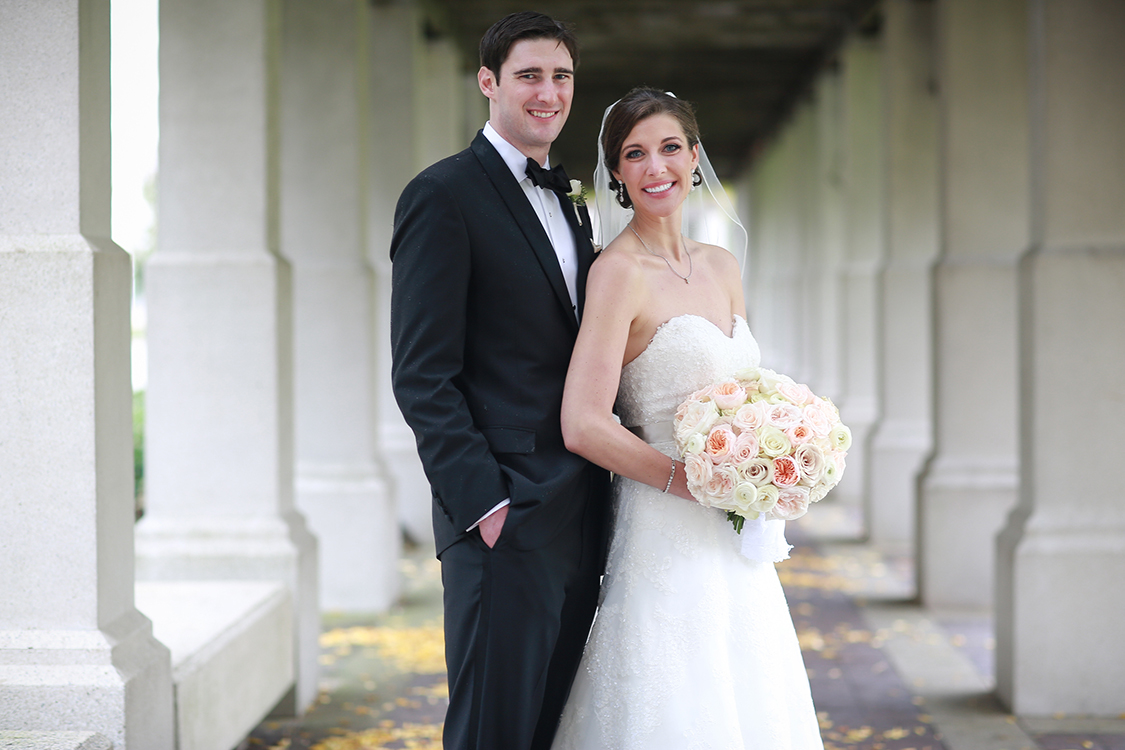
point(615, 296)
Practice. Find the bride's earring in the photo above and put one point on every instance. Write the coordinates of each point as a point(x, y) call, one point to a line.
point(622, 196)
point(696, 179)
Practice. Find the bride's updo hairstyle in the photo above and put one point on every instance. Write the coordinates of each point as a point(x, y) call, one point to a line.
point(640, 104)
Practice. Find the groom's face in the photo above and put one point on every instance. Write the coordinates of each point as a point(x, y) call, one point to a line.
point(529, 100)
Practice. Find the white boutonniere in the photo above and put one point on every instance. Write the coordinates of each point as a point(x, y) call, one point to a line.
point(577, 193)
point(577, 197)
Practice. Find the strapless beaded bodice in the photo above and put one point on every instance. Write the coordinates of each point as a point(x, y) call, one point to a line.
point(686, 353)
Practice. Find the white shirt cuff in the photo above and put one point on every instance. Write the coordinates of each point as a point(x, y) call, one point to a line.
point(499, 505)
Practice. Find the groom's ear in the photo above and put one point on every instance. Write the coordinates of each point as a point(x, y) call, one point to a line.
point(487, 81)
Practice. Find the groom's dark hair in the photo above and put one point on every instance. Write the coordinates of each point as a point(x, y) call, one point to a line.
point(515, 27)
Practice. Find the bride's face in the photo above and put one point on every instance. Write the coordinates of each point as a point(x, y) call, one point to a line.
point(656, 165)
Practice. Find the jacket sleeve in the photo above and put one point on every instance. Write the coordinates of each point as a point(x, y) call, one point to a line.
point(431, 269)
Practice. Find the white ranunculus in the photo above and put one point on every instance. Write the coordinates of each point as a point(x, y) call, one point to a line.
point(695, 444)
point(745, 496)
point(840, 437)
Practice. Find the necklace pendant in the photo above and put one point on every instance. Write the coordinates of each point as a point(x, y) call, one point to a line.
point(685, 281)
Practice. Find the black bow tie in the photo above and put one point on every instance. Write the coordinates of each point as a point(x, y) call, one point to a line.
point(549, 179)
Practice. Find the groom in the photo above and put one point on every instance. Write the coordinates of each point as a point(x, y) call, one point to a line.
point(489, 266)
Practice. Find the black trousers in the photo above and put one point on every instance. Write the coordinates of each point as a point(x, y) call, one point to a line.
point(516, 622)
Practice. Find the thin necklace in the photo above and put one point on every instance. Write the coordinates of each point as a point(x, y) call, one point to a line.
point(691, 266)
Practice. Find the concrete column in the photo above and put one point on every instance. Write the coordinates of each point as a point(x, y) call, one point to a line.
point(219, 449)
point(863, 260)
point(778, 246)
point(970, 484)
point(395, 44)
point(827, 247)
point(903, 440)
point(340, 486)
point(439, 100)
point(1062, 555)
point(75, 654)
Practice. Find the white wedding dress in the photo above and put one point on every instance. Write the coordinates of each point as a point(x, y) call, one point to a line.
point(693, 645)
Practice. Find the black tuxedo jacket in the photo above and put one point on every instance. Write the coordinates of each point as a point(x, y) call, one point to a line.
point(482, 330)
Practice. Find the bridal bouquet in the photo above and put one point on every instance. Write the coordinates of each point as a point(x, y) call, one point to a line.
point(760, 443)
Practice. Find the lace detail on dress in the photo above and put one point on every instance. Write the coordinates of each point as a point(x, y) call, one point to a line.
point(687, 352)
point(693, 646)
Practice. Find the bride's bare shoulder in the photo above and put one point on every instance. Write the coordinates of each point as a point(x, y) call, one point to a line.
point(618, 260)
point(715, 253)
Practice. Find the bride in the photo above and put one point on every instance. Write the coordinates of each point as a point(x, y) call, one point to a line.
point(693, 645)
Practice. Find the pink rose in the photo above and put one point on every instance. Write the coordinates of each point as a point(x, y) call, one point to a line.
point(728, 395)
point(698, 469)
point(811, 462)
point(719, 489)
point(799, 434)
point(785, 472)
point(798, 393)
point(745, 447)
point(748, 418)
point(818, 418)
point(757, 470)
point(785, 416)
point(792, 503)
point(719, 443)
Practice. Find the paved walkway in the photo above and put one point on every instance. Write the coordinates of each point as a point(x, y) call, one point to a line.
point(885, 674)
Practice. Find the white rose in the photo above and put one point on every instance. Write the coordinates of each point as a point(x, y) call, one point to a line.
point(748, 374)
point(767, 499)
point(770, 380)
point(696, 417)
point(773, 442)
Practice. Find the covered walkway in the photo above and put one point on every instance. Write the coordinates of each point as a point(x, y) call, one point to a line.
point(886, 673)
point(935, 196)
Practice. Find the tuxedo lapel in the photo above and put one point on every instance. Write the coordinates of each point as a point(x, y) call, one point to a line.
point(579, 219)
point(524, 215)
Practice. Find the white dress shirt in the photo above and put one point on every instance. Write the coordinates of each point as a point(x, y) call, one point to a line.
point(548, 207)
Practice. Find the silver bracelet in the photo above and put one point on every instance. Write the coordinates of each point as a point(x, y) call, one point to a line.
point(671, 476)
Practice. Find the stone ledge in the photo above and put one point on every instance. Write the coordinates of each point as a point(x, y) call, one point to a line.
point(232, 654)
point(15, 740)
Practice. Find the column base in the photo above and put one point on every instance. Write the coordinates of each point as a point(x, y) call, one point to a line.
point(1057, 651)
point(116, 681)
point(964, 507)
point(350, 506)
point(899, 450)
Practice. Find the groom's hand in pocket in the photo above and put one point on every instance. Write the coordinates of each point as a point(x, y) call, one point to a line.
point(491, 527)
